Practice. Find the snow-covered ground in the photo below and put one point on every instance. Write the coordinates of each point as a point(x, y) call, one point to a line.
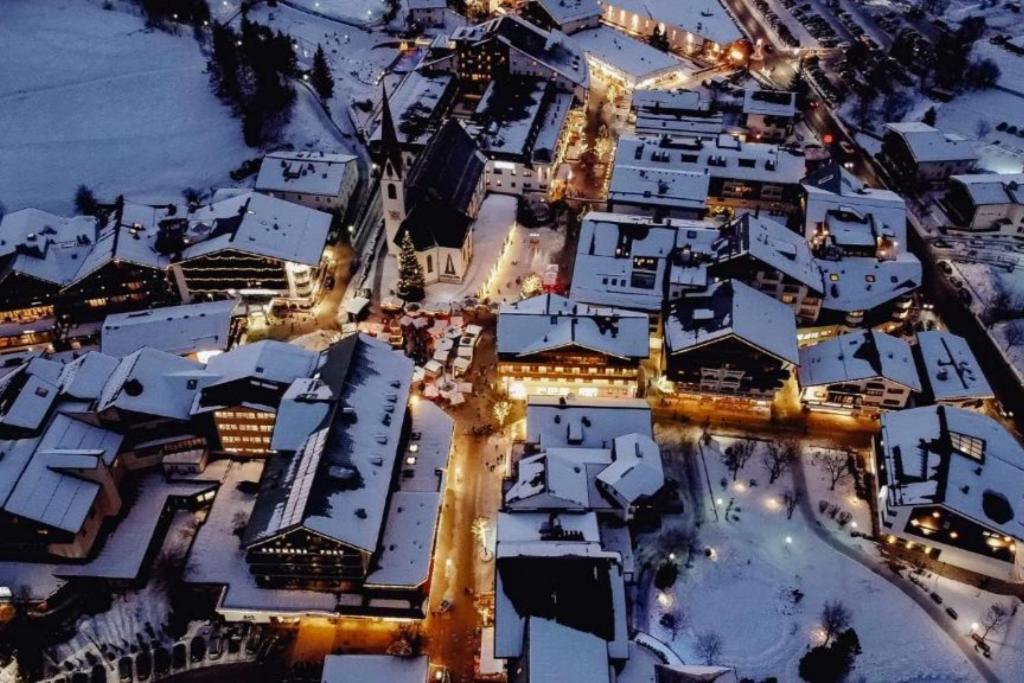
point(361, 11)
point(976, 115)
point(88, 96)
point(504, 253)
point(1015, 353)
point(764, 594)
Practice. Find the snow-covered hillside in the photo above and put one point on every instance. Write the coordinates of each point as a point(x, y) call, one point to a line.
point(89, 96)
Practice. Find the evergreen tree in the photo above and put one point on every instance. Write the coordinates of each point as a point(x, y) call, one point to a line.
point(929, 117)
point(322, 78)
point(224, 64)
point(659, 39)
point(410, 272)
point(85, 201)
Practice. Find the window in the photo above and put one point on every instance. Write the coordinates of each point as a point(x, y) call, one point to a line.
point(970, 446)
point(392, 192)
point(430, 264)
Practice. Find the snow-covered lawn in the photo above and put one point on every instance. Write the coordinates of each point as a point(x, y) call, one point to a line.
point(768, 577)
point(1000, 332)
point(89, 96)
point(980, 112)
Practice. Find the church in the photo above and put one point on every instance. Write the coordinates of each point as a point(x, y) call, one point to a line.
point(435, 201)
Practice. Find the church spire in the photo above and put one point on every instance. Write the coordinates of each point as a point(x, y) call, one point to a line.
point(391, 151)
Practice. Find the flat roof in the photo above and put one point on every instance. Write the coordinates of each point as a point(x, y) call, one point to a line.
point(707, 18)
point(950, 367)
point(633, 58)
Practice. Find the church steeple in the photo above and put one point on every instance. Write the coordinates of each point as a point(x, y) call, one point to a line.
point(391, 151)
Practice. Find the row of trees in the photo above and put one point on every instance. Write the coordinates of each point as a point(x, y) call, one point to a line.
point(251, 71)
point(162, 13)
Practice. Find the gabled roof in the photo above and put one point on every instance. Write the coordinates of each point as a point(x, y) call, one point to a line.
point(862, 283)
point(156, 383)
point(989, 189)
point(560, 654)
point(860, 355)
point(336, 485)
point(448, 170)
point(44, 246)
point(317, 173)
point(180, 330)
point(778, 247)
point(928, 144)
point(636, 471)
point(549, 321)
point(254, 223)
point(732, 309)
point(37, 475)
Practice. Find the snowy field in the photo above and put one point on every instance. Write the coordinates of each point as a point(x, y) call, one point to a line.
point(360, 11)
point(763, 595)
point(88, 96)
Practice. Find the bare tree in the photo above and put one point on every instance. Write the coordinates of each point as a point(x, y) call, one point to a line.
point(709, 647)
point(994, 620)
point(778, 457)
point(734, 457)
point(836, 463)
point(790, 498)
point(1014, 335)
point(835, 618)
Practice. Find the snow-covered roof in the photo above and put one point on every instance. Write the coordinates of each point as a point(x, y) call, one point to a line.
point(559, 479)
point(267, 359)
point(926, 464)
point(563, 11)
point(636, 471)
point(374, 669)
point(181, 330)
point(839, 201)
point(553, 120)
point(415, 107)
point(508, 114)
point(46, 247)
point(304, 407)
point(860, 355)
point(410, 526)
point(732, 309)
point(634, 58)
point(706, 18)
point(39, 476)
point(153, 382)
point(667, 187)
point(550, 49)
point(778, 247)
point(675, 112)
point(315, 173)
point(929, 144)
point(950, 368)
point(561, 576)
point(427, 4)
point(584, 422)
point(987, 189)
point(84, 378)
point(218, 558)
point(862, 283)
point(613, 247)
point(724, 157)
point(769, 102)
point(559, 654)
point(337, 483)
point(549, 321)
point(126, 547)
point(257, 224)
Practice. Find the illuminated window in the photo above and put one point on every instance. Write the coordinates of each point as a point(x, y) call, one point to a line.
point(970, 446)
